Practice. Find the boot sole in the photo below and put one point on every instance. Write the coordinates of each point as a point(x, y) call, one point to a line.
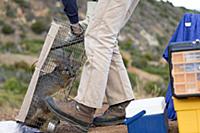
point(112, 123)
point(53, 109)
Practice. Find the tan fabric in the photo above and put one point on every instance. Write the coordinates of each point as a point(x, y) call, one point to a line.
point(104, 72)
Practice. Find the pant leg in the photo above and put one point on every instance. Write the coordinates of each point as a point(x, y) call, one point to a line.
point(71, 10)
point(119, 87)
point(100, 42)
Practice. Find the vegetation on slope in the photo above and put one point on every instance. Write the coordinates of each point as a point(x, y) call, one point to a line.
point(24, 24)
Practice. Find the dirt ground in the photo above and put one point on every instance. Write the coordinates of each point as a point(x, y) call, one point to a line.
point(110, 129)
point(10, 59)
point(9, 114)
point(173, 128)
point(123, 129)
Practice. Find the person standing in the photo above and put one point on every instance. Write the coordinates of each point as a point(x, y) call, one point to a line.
point(104, 73)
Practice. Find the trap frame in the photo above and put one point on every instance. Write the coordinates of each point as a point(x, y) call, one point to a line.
point(57, 69)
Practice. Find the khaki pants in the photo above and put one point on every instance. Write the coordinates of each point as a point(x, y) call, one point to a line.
point(104, 73)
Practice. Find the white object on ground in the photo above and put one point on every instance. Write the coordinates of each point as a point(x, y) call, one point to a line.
point(14, 127)
point(151, 106)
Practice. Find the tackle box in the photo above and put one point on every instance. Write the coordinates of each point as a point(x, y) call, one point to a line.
point(147, 116)
point(188, 114)
point(184, 64)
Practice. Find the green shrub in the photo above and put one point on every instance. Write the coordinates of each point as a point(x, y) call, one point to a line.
point(149, 57)
point(38, 27)
point(125, 62)
point(162, 39)
point(139, 62)
point(32, 46)
point(163, 71)
point(10, 71)
point(15, 86)
point(133, 79)
point(7, 29)
point(23, 65)
point(10, 12)
point(8, 47)
point(126, 46)
point(22, 3)
point(10, 99)
point(155, 88)
point(1, 22)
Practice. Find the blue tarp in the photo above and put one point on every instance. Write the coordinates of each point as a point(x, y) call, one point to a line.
point(187, 30)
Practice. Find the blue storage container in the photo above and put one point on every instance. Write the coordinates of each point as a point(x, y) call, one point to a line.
point(147, 116)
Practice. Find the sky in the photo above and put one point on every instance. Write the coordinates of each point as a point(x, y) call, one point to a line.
point(190, 4)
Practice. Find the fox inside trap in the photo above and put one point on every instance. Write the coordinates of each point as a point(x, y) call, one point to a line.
point(185, 69)
point(56, 71)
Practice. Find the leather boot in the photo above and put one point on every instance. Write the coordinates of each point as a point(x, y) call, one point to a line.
point(65, 127)
point(74, 113)
point(114, 115)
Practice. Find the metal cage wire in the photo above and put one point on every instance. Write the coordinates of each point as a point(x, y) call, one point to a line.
point(59, 72)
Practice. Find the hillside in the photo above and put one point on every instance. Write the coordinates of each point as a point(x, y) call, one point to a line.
point(24, 24)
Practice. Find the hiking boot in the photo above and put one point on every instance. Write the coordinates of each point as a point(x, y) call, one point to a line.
point(65, 127)
point(76, 33)
point(76, 114)
point(114, 115)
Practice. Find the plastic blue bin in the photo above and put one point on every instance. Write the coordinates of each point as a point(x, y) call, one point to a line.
point(143, 122)
point(147, 124)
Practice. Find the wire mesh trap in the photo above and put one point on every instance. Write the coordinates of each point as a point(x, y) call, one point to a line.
point(56, 73)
